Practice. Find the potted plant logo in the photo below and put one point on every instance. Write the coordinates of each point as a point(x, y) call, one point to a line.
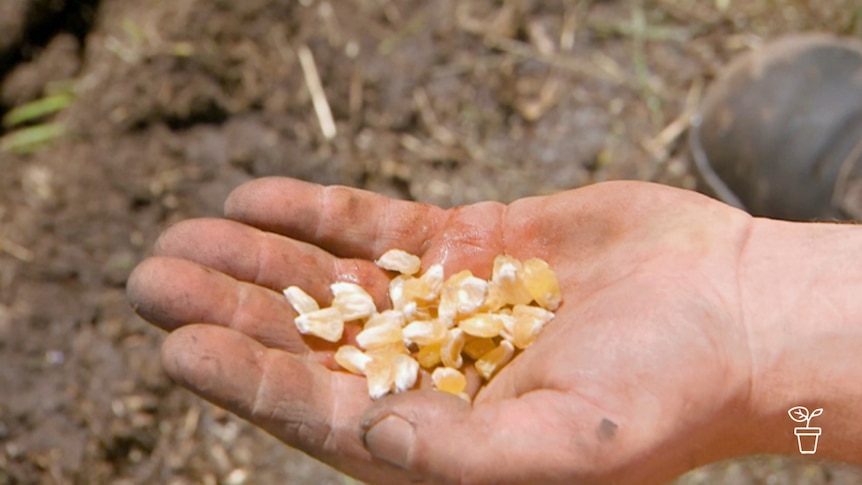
point(805, 435)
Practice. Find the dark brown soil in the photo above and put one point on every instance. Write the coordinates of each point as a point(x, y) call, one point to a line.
point(177, 102)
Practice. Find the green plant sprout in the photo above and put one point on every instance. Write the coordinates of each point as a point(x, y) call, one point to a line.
point(32, 138)
point(800, 414)
point(34, 110)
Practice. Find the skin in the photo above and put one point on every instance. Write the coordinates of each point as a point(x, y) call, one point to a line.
point(687, 330)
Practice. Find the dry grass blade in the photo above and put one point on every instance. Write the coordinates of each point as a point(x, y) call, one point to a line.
point(16, 250)
point(318, 95)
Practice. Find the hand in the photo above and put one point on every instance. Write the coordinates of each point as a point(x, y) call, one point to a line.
point(643, 374)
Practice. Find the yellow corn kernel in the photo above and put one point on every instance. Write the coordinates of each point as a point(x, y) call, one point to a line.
point(425, 332)
point(426, 287)
point(380, 376)
point(352, 300)
point(326, 323)
point(406, 372)
point(491, 362)
point(450, 351)
point(352, 359)
point(388, 350)
point(506, 276)
point(528, 322)
point(494, 299)
point(429, 355)
point(477, 347)
point(400, 261)
point(380, 335)
point(542, 284)
point(301, 301)
point(485, 325)
point(449, 380)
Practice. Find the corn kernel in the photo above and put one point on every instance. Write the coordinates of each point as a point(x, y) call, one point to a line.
point(462, 294)
point(506, 276)
point(406, 372)
point(388, 350)
point(491, 362)
point(542, 284)
point(528, 321)
point(379, 335)
point(425, 332)
point(450, 351)
point(386, 317)
point(482, 325)
point(400, 261)
point(429, 355)
point(380, 376)
point(396, 291)
point(477, 347)
point(494, 299)
point(447, 308)
point(326, 323)
point(449, 380)
point(434, 321)
point(426, 287)
point(352, 301)
point(352, 359)
point(301, 301)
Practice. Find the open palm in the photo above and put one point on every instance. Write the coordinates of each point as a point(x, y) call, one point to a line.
point(637, 379)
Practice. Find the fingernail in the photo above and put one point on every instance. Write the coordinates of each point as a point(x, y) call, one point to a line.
point(391, 439)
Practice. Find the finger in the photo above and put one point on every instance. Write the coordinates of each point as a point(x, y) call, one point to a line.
point(345, 221)
point(171, 292)
point(270, 260)
point(439, 435)
point(301, 403)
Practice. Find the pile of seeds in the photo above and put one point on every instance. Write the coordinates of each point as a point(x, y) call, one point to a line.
point(434, 322)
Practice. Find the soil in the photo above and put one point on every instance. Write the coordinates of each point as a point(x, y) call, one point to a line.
point(166, 106)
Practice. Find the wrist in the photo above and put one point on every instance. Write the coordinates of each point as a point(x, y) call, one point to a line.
point(802, 298)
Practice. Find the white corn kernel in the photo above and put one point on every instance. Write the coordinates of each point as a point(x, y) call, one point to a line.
point(425, 332)
point(462, 295)
point(400, 261)
point(326, 323)
point(406, 372)
point(380, 376)
point(471, 294)
point(352, 359)
point(386, 317)
point(301, 301)
point(352, 301)
point(380, 335)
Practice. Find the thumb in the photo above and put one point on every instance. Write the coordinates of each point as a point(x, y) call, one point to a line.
point(419, 431)
point(440, 436)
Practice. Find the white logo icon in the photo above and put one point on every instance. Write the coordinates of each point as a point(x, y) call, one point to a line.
point(805, 435)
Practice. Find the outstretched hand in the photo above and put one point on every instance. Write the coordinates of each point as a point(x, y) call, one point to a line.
point(637, 379)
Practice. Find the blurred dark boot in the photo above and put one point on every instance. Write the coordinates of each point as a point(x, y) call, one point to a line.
point(779, 133)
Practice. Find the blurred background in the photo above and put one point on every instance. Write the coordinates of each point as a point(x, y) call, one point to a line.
point(120, 117)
